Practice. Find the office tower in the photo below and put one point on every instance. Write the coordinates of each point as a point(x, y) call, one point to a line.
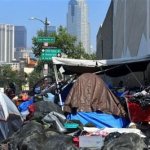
point(6, 43)
point(20, 37)
point(51, 29)
point(77, 22)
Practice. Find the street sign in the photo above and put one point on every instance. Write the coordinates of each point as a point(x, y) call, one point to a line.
point(45, 39)
point(47, 54)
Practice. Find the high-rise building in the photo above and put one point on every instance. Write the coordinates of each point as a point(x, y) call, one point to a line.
point(77, 22)
point(51, 29)
point(20, 37)
point(6, 43)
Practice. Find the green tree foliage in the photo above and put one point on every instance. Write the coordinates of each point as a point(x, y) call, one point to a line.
point(7, 75)
point(66, 42)
point(34, 77)
point(37, 48)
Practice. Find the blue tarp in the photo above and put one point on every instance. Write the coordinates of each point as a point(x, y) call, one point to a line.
point(24, 105)
point(65, 91)
point(99, 119)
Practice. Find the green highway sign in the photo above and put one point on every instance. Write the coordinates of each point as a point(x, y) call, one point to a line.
point(47, 54)
point(45, 39)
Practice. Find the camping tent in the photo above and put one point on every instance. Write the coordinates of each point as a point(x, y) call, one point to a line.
point(10, 118)
point(111, 67)
point(90, 93)
point(90, 101)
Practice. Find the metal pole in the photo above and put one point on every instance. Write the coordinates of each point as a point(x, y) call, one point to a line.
point(45, 30)
point(46, 24)
point(57, 84)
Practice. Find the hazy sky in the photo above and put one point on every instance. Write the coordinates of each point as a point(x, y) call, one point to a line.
point(18, 12)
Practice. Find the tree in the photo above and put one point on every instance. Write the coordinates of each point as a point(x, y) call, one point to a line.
point(66, 42)
point(89, 56)
point(34, 77)
point(37, 48)
point(7, 75)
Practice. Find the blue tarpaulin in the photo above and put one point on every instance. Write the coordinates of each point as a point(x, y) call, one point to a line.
point(99, 119)
point(24, 105)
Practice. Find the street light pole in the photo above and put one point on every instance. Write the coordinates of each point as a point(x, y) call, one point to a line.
point(45, 22)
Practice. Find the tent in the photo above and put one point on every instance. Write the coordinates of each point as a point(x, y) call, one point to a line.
point(90, 93)
point(10, 118)
point(89, 99)
point(112, 67)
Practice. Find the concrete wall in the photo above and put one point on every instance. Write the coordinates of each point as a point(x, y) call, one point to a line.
point(99, 45)
point(126, 33)
point(105, 36)
point(131, 28)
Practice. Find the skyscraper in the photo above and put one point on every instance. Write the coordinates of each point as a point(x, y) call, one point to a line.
point(51, 29)
point(6, 43)
point(77, 22)
point(20, 37)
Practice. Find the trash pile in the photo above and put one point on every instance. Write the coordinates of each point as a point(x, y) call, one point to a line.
point(92, 117)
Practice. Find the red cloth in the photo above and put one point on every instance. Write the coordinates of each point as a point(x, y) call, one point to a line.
point(31, 108)
point(137, 113)
point(76, 141)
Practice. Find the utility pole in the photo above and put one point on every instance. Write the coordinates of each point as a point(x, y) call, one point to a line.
point(46, 23)
point(46, 68)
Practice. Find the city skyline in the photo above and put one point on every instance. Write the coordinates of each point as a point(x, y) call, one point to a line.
point(18, 12)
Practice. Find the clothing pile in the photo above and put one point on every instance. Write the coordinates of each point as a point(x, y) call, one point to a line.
point(139, 106)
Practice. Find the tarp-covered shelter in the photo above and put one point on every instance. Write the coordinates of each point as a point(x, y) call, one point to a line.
point(10, 118)
point(89, 93)
point(111, 67)
point(90, 101)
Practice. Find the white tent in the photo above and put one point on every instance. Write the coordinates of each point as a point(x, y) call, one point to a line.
point(10, 118)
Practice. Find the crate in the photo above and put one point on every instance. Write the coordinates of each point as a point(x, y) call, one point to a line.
point(138, 113)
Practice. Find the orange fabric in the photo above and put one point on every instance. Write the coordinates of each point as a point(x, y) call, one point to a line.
point(24, 96)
